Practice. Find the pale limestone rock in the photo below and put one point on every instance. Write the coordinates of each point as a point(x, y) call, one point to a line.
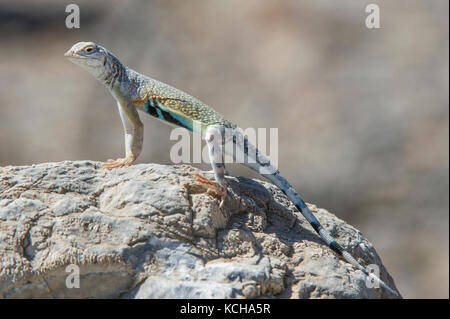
point(148, 231)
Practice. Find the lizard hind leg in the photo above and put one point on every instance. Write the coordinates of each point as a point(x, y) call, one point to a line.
point(212, 185)
point(215, 140)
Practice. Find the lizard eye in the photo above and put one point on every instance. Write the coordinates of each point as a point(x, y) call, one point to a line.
point(89, 49)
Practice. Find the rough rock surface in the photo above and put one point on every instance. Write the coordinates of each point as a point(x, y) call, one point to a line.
point(148, 231)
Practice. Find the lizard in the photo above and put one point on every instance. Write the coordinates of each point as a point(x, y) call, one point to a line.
point(135, 92)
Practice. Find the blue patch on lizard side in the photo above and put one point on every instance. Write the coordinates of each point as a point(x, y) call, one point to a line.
point(186, 123)
point(154, 108)
point(160, 114)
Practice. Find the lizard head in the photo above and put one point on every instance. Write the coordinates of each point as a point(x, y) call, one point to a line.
point(92, 57)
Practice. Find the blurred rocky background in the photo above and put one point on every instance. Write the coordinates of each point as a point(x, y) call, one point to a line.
point(363, 114)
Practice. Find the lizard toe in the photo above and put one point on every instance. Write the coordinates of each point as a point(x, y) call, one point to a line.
point(213, 187)
point(120, 162)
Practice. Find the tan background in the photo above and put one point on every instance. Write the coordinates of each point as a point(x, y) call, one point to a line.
point(363, 115)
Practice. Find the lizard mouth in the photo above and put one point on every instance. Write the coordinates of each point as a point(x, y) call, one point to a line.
point(71, 54)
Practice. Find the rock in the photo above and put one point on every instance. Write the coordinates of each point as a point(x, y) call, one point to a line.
point(148, 231)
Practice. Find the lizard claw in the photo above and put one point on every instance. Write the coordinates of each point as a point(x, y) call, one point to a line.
point(222, 198)
point(214, 187)
point(120, 162)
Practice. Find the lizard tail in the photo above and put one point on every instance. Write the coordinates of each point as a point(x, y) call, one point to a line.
point(262, 165)
point(290, 192)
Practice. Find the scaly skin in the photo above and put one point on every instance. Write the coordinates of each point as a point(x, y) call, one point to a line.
point(134, 91)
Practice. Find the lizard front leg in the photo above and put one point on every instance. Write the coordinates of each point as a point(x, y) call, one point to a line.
point(134, 136)
point(215, 139)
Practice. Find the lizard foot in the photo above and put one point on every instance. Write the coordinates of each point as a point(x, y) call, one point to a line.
point(120, 162)
point(214, 187)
